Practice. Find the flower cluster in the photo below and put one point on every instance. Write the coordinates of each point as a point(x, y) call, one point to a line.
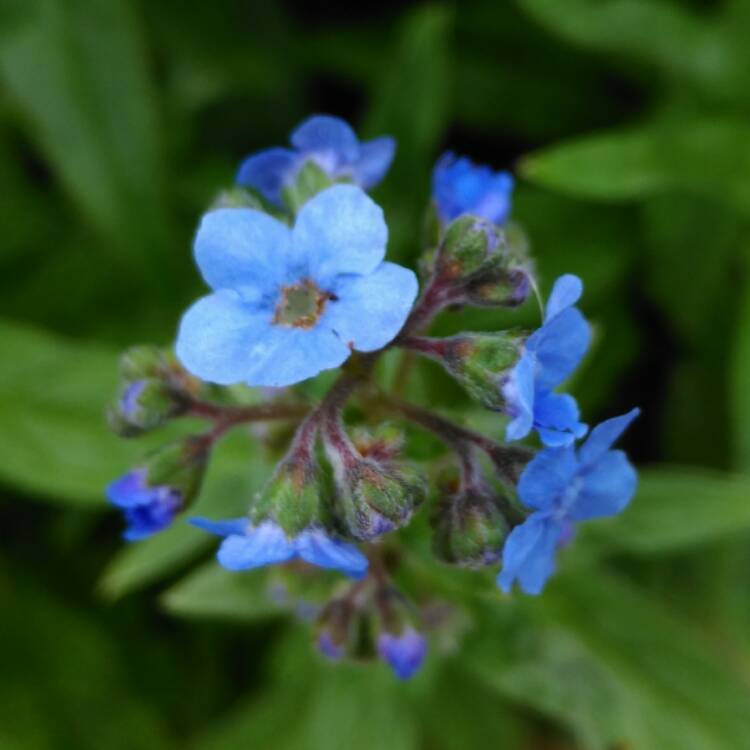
point(299, 285)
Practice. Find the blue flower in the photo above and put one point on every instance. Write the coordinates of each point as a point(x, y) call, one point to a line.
point(405, 653)
point(250, 545)
point(331, 144)
point(289, 303)
point(549, 356)
point(563, 486)
point(461, 187)
point(147, 509)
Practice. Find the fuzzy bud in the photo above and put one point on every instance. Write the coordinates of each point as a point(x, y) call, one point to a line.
point(310, 180)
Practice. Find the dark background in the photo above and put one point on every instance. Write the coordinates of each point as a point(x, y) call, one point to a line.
point(626, 124)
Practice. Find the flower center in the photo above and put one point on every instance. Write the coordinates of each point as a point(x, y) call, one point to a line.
point(300, 305)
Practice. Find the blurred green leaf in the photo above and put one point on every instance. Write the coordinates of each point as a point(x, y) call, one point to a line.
point(709, 156)
point(236, 470)
point(657, 32)
point(77, 72)
point(678, 508)
point(54, 439)
point(740, 386)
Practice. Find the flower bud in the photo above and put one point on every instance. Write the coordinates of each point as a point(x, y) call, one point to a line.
point(144, 405)
point(470, 528)
point(310, 181)
point(236, 197)
point(375, 498)
point(399, 642)
point(481, 362)
point(167, 482)
point(345, 630)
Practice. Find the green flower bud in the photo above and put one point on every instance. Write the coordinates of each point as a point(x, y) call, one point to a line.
point(470, 528)
point(144, 405)
point(479, 361)
point(236, 197)
point(310, 181)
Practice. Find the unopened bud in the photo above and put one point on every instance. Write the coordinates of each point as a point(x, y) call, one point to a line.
point(470, 528)
point(310, 180)
point(400, 644)
point(144, 405)
point(236, 197)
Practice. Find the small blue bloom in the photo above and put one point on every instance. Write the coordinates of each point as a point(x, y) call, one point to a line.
point(250, 545)
point(328, 648)
point(563, 486)
point(289, 303)
point(147, 509)
point(461, 187)
point(331, 144)
point(549, 356)
point(405, 653)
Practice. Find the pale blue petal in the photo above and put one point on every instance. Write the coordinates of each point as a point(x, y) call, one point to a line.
point(290, 355)
point(374, 161)
point(556, 419)
point(241, 247)
point(230, 526)
point(603, 436)
point(559, 346)
point(340, 230)
point(565, 293)
point(529, 554)
point(608, 486)
point(220, 338)
point(518, 392)
point(370, 310)
point(321, 133)
point(315, 547)
point(268, 172)
point(264, 544)
point(405, 653)
point(546, 477)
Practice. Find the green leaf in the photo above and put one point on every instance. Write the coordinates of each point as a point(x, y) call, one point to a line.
point(677, 509)
point(709, 156)
point(237, 469)
point(53, 394)
point(740, 385)
point(656, 32)
point(76, 71)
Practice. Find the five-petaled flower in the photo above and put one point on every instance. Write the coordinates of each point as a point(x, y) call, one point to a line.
point(549, 356)
point(562, 486)
point(331, 144)
point(290, 303)
point(461, 187)
point(247, 545)
point(147, 509)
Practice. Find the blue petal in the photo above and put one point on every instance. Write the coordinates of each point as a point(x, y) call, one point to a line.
point(529, 554)
point(231, 526)
point(222, 338)
point(328, 648)
point(241, 247)
point(340, 230)
point(324, 133)
point(264, 544)
point(130, 489)
point(405, 653)
point(565, 293)
point(559, 346)
point(370, 310)
point(375, 159)
point(495, 204)
point(608, 486)
point(291, 355)
point(268, 172)
point(546, 477)
point(556, 419)
point(147, 520)
point(518, 392)
point(603, 436)
point(315, 547)
point(129, 399)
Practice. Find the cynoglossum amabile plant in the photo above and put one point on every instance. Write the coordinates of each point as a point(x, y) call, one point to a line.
point(306, 289)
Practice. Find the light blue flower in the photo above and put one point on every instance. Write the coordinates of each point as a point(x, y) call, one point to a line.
point(549, 356)
point(461, 187)
point(405, 652)
point(563, 486)
point(147, 509)
point(331, 144)
point(289, 303)
point(250, 545)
